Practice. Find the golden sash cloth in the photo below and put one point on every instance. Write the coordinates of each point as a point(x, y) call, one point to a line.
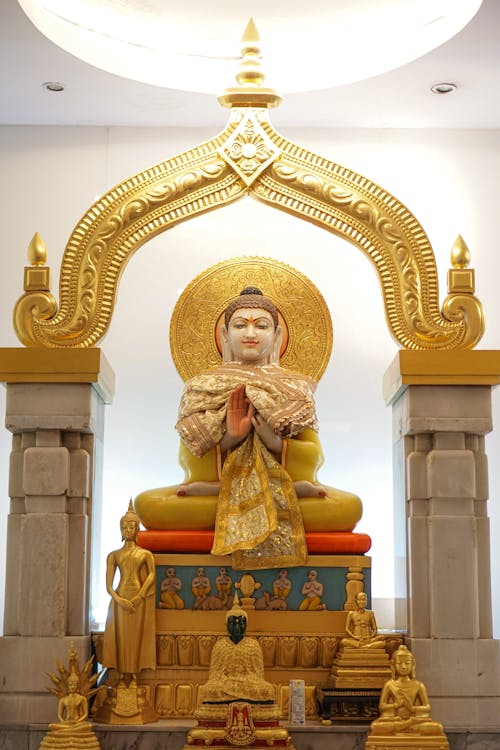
point(258, 516)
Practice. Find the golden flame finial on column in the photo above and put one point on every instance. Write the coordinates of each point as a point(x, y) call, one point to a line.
point(460, 254)
point(460, 276)
point(37, 251)
point(250, 92)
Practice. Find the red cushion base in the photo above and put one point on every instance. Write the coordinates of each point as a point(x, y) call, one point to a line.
point(318, 542)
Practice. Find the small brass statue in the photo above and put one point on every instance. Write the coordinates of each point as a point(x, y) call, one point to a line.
point(236, 706)
point(405, 712)
point(236, 666)
point(361, 626)
point(73, 688)
point(129, 636)
point(361, 661)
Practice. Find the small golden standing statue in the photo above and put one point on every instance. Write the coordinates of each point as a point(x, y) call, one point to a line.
point(129, 636)
point(73, 688)
point(405, 713)
point(237, 705)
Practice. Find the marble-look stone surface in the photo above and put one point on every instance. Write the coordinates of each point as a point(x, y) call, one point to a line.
point(171, 735)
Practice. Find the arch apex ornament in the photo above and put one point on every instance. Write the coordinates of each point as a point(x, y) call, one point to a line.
point(250, 157)
point(250, 92)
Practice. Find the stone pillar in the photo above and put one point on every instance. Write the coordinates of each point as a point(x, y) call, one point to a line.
point(441, 412)
point(55, 410)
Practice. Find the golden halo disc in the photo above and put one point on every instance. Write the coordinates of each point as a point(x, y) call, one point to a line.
point(198, 315)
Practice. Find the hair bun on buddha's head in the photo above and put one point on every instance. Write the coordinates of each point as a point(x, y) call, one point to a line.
point(251, 296)
point(251, 290)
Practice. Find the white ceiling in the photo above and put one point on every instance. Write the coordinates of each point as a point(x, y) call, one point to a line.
point(399, 99)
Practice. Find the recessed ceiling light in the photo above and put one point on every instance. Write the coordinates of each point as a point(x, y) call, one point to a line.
point(195, 46)
point(443, 88)
point(53, 86)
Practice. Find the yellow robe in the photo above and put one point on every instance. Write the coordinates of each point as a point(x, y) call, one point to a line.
point(236, 673)
point(257, 515)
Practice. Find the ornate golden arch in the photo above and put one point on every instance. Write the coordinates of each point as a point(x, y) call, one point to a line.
point(249, 157)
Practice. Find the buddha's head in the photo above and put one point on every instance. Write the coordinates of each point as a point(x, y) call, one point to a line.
point(361, 600)
point(251, 333)
point(236, 621)
point(73, 683)
point(129, 524)
point(403, 663)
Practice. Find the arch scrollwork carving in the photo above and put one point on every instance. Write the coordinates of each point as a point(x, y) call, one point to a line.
point(249, 157)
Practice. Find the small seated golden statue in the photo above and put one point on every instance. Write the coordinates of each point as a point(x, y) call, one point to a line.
point(250, 449)
point(405, 711)
point(361, 627)
point(361, 661)
point(237, 693)
point(129, 636)
point(73, 688)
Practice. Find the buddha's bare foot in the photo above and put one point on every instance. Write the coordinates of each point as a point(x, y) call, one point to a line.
point(304, 488)
point(198, 488)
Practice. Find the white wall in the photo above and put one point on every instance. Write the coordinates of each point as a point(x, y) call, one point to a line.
point(448, 179)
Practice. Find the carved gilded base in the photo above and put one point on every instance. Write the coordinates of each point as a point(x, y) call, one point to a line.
point(76, 737)
point(360, 668)
point(406, 742)
point(344, 705)
point(126, 705)
point(183, 656)
point(239, 724)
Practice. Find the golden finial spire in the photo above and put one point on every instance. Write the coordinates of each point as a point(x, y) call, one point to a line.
point(250, 92)
point(37, 251)
point(460, 276)
point(460, 255)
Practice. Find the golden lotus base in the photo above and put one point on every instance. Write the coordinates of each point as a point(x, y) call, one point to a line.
point(406, 741)
point(126, 705)
point(238, 724)
point(80, 737)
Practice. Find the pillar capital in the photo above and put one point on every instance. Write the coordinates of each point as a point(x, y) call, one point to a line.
point(457, 367)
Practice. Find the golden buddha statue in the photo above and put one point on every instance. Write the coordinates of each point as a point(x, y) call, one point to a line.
point(361, 627)
point(250, 450)
point(73, 687)
point(129, 635)
point(236, 706)
point(236, 666)
point(404, 706)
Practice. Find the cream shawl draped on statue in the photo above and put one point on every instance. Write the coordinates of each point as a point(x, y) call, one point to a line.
point(258, 516)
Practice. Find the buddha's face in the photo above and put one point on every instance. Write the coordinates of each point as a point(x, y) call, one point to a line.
point(236, 626)
point(403, 663)
point(129, 529)
point(251, 335)
point(72, 684)
point(362, 600)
